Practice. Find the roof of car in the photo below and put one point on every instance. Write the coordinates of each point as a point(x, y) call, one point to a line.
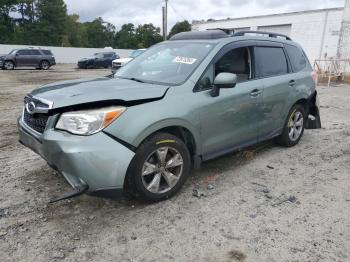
point(216, 36)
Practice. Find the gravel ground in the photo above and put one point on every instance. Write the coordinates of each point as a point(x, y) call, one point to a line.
point(265, 203)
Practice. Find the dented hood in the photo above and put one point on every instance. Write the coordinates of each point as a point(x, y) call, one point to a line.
point(82, 91)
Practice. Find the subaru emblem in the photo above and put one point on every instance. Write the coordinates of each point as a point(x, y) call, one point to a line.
point(30, 107)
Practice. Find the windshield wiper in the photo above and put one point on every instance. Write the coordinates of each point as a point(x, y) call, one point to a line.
point(132, 79)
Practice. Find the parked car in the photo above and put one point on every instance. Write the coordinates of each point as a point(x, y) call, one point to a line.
point(184, 101)
point(118, 63)
point(29, 57)
point(99, 60)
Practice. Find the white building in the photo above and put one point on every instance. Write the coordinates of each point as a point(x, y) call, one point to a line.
point(317, 31)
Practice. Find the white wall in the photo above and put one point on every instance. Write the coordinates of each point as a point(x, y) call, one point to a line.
point(316, 31)
point(67, 54)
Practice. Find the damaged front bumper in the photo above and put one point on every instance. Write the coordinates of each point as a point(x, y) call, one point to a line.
point(89, 163)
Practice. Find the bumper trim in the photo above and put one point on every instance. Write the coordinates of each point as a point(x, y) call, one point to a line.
point(77, 192)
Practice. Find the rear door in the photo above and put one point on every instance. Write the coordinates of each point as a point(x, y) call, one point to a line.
point(274, 71)
point(35, 57)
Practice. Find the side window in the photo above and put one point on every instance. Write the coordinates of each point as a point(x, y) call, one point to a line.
point(296, 57)
point(271, 61)
point(23, 52)
point(34, 52)
point(236, 61)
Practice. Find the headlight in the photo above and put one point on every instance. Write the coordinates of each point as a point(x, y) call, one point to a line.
point(88, 122)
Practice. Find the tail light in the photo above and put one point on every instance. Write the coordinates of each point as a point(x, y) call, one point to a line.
point(314, 76)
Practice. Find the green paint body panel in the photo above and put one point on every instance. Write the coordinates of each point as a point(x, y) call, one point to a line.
point(218, 124)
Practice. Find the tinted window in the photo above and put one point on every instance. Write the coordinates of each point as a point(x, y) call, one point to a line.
point(108, 55)
point(34, 52)
point(296, 58)
point(23, 52)
point(46, 52)
point(271, 61)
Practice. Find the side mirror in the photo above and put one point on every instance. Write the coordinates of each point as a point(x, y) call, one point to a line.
point(223, 80)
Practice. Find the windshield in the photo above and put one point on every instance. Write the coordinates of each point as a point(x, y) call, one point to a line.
point(170, 63)
point(136, 53)
point(13, 52)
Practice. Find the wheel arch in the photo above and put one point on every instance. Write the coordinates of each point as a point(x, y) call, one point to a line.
point(42, 60)
point(182, 130)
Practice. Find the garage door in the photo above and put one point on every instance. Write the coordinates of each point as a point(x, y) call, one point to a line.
point(280, 29)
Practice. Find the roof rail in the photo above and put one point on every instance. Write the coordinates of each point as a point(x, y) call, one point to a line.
point(200, 35)
point(269, 34)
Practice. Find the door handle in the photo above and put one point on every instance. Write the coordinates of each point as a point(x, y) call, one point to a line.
point(255, 93)
point(292, 83)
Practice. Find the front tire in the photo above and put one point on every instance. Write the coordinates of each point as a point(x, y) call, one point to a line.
point(294, 127)
point(9, 65)
point(159, 168)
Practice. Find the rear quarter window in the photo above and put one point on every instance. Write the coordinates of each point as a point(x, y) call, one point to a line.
point(270, 61)
point(46, 52)
point(296, 57)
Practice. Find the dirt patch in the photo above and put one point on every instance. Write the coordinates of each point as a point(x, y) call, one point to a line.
point(266, 203)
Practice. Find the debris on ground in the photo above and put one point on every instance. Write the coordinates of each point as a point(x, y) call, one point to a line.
point(270, 167)
point(198, 193)
point(210, 186)
point(291, 199)
point(237, 255)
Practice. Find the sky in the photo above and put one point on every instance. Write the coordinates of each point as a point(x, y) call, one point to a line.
point(138, 12)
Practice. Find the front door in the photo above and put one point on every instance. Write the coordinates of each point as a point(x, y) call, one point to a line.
point(230, 121)
point(23, 57)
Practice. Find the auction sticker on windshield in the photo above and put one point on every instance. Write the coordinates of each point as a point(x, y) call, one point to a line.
point(184, 60)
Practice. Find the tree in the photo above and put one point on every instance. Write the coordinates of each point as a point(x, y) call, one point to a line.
point(75, 34)
point(7, 24)
point(51, 25)
point(179, 27)
point(126, 37)
point(99, 33)
point(148, 35)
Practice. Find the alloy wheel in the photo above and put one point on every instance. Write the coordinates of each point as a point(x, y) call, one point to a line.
point(45, 65)
point(295, 125)
point(8, 65)
point(162, 170)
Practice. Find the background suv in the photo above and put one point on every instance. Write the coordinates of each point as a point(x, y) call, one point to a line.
point(98, 60)
point(184, 101)
point(30, 57)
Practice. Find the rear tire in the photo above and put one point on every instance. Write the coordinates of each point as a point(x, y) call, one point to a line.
point(294, 127)
point(159, 168)
point(44, 65)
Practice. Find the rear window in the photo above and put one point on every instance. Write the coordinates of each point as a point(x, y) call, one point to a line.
point(46, 52)
point(271, 61)
point(296, 57)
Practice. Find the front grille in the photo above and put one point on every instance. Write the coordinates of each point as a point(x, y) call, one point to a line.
point(36, 122)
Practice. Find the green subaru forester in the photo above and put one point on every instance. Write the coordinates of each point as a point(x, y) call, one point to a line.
point(190, 99)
